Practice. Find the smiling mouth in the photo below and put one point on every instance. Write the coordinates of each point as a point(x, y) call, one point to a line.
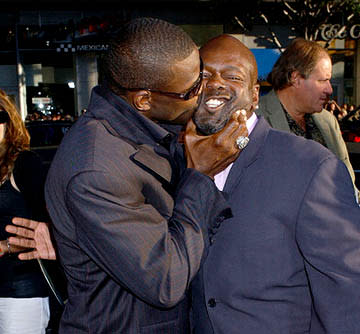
point(215, 103)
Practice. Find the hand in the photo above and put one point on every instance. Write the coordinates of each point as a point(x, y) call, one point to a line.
point(212, 154)
point(34, 235)
point(4, 249)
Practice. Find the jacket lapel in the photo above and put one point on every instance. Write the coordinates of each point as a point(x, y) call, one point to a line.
point(276, 114)
point(249, 155)
point(323, 126)
point(145, 158)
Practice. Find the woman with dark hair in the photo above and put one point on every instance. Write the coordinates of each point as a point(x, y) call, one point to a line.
point(24, 303)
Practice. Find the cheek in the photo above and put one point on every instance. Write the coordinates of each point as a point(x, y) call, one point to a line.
point(309, 92)
point(182, 112)
point(243, 98)
point(187, 106)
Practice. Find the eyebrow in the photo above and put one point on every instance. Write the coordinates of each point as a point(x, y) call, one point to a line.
point(227, 68)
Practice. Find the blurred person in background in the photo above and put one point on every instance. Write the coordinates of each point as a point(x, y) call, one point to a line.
point(24, 302)
point(344, 111)
point(333, 108)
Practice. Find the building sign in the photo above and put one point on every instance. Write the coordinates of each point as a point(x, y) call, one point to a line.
point(41, 100)
point(91, 47)
point(86, 47)
point(329, 31)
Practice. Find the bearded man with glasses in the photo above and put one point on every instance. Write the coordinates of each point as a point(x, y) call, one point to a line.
point(131, 229)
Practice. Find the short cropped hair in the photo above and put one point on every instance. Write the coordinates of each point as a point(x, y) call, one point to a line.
point(302, 56)
point(142, 53)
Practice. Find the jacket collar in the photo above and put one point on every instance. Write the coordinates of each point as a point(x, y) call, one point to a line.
point(249, 155)
point(274, 107)
point(123, 118)
point(123, 121)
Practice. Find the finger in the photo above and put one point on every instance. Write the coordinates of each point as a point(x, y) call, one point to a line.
point(29, 255)
point(231, 129)
point(237, 129)
point(242, 117)
point(20, 231)
point(24, 222)
point(241, 130)
point(22, 242)
point(190, 127)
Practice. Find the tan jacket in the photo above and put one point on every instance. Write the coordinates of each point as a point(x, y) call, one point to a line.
point(270, 107)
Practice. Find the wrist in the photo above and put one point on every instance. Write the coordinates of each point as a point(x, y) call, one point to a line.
point(3, 248)
point(8, 246)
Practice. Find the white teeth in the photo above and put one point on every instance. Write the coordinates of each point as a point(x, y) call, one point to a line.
point(213, 103)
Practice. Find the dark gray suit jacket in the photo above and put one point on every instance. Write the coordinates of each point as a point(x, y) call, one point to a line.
point(289, 260)
point(130, 237)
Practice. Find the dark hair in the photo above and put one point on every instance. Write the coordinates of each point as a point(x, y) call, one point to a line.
point(302, 56)
point(142, 52)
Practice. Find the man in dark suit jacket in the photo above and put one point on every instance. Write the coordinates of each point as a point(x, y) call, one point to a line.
point(288, 260)
point(131, 231)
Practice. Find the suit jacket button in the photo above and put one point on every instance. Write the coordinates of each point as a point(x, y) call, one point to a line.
point(212, 302)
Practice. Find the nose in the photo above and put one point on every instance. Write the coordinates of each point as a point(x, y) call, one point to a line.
point(215, 81)
point(329, 89)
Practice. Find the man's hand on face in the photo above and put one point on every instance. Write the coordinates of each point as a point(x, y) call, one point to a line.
point(33, 235)
point(212, 154)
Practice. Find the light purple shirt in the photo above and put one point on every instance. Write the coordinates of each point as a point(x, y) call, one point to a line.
point(220, 178)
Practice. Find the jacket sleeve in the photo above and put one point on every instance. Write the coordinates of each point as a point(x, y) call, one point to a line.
point(153, 256)
point(342, 149)
point(328, 235)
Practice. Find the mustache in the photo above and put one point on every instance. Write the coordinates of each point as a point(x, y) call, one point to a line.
point(214, 92)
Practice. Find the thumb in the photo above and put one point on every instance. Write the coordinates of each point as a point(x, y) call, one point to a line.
point(190, 127)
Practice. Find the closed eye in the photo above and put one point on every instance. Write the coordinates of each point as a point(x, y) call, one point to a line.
point(233, 77)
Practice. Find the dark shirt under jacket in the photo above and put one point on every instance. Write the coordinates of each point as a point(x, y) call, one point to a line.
point(270, 107)
point(130, 234)
point(311, 132)
point(22, 279)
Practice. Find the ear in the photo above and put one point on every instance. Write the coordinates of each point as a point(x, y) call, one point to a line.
point(142, 100)
point(295, 78)
point(255, 96)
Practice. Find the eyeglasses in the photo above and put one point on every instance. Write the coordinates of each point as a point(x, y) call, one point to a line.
point(189, 94)
point(4, 116)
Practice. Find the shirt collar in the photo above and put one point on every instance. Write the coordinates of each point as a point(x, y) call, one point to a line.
point(251, 122)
